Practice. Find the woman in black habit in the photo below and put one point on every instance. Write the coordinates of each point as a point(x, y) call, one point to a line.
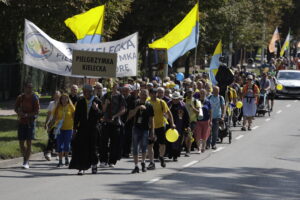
point(86, 132)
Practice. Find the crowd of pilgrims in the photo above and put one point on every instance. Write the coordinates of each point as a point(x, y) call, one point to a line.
point(103, 123)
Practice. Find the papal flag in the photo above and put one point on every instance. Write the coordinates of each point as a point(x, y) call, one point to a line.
point(215, 63)
point(275, 37)
point(87, 26)
point(286, 44)
point(182, 38)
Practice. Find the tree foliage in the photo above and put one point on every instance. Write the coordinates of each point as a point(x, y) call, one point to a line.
point(239, 21)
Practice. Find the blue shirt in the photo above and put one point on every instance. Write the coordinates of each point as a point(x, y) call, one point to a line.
point(216, 102)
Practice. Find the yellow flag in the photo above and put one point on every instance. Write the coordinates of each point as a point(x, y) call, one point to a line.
point(182, 38)
point(87, 26)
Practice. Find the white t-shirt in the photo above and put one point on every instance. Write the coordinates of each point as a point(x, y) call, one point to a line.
point(50, 108)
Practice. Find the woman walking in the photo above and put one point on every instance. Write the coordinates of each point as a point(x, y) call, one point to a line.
point(250, 95)
point(48, 126)
point(63, 117)
point(202, 129)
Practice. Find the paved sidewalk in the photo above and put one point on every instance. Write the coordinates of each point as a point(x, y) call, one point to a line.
point(18, 161)
point(7, 112)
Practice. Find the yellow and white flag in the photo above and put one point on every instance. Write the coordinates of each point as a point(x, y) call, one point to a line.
point(215, 63)
point(286, 44)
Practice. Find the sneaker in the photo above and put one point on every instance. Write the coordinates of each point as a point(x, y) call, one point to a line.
point(175, 159)
point(199, 152)
point(162, 162)
point(111, 165)
point(48, 156)
point(135, 170)
point(151, 166)
point(243, 128)
point(80, 172)
point(214, 147)
point(202, 150)
point(249, 128)
point(143, 167)
point(25, 165)
point(103, 164)
point(66, 161)
point(94, 169)
point(60, 164)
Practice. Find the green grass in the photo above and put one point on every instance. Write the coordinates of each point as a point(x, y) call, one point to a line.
point(9, 144)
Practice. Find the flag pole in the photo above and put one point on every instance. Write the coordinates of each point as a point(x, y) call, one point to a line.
point(279, 43)
point(197, 40)
point(97, 28)
point(289, 49)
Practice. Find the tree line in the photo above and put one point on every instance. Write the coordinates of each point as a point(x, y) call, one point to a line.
point(246, 23)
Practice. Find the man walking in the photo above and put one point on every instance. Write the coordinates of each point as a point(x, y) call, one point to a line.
point(160, 109)
point(143, 121)
point(27, 108)
point(218, 111)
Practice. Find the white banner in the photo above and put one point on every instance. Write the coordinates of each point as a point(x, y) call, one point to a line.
point(45, 53)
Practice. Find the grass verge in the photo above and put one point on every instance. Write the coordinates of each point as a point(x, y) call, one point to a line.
point(9, 144)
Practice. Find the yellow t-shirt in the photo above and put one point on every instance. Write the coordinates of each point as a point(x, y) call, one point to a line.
point(196, 104)
point(68, 120)
point(160, 107)
point(231, 95)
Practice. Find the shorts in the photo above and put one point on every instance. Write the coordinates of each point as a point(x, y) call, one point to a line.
point(63, 141)
point(139, 140)
point(272, 95)
point(26, 131)
point(161, 135)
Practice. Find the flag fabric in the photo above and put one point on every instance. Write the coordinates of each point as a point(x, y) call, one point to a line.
point(286, 44)
point(275, 37)
point(87, 26)
point(215, 63)
point(182, 38)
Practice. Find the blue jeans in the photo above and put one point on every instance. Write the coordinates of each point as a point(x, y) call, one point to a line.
point(139, 139)
point(64, 140)
point(212, 139)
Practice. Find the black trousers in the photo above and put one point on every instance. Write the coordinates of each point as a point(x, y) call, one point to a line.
point(127, 139)
point(110, 143)
point(51, 144)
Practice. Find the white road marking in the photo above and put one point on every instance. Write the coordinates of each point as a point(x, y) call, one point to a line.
point(268, 119)
point(255, 127)
point(218, 149)
point(239, 137)
point(190, 163)
point(296, 101)
point(279, 111)
point(289, 105)
point(153, 180)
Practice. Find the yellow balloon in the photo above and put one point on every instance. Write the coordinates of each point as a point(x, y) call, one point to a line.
point(172, 135)
point(279, 87)
point(239, 104)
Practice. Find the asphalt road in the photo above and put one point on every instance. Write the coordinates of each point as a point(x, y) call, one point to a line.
point(261, 164)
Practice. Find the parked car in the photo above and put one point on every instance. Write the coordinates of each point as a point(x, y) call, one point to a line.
point(290, 80)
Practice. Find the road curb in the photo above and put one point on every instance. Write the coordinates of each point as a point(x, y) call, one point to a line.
point(18, 161)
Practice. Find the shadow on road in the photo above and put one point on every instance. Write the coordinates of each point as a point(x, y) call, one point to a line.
point(219, 183)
